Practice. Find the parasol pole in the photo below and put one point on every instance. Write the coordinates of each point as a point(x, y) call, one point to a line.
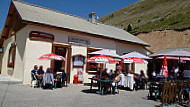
point(179, 64)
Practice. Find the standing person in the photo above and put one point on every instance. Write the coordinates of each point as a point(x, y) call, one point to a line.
point(34, 71)
point(40, 73)
point(132, 80)
point(34, 74)
point(48, 80)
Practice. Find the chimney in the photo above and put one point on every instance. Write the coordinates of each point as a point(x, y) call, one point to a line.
point(92, 17)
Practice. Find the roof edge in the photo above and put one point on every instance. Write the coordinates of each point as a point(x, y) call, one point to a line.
point(37, 23)
point(48, 9)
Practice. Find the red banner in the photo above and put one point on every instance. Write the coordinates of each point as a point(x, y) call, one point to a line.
point(164, 70)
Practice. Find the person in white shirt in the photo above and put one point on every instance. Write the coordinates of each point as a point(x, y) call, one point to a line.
point(176, 70)
point(122, 76)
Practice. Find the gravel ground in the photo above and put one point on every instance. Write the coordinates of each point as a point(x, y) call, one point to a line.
point(15, 95)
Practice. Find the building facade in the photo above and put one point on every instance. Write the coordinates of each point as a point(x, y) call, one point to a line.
point(31, 31)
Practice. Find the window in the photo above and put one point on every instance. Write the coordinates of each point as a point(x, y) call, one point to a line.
point(36, 35)
point(78, 61)
point(92, 66)
point(11, 58)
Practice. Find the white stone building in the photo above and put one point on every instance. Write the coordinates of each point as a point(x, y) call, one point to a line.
point(31, 31)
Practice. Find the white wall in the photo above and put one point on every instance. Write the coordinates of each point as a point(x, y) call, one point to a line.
point(20, 53)
point(139, 67)
point(78, 50)
point(126, 48)
point(1, 56)
point(34, 49)
point(5, 69)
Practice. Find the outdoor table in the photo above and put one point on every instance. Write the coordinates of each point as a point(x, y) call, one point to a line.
point(103, 82)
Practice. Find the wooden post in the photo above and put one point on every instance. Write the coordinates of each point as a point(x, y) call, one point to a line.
point(166, 95)
point(69, 50)
point(163, 92)
point(170, 92)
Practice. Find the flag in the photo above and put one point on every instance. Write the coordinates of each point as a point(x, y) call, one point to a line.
point(164, 70)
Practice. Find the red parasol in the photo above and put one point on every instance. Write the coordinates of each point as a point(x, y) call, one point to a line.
point(101, 59)
point(164, 70)
point(52, 57)
point(133, 60)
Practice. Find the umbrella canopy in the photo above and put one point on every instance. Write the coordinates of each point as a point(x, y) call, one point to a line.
point(135, 54)
point(133, 60)
point(174, 58)
point(106, 52)
point(177, 52)
point(51, 57)
point(101, 59)
point(164, 70)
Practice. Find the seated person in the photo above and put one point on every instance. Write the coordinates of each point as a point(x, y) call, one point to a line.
point(105, 76)
point(97, 73)
point(143, 79)
point(110, 74)
point(116, 80)
point(186, 74)
point(59, 79)
point(48, 80)
point(64, 76)
point(122, 78)
point(142, 75)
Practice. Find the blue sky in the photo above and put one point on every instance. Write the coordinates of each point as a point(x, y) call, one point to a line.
point(76, 7)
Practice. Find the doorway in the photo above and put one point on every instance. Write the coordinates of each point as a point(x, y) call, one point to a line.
point(65, 51)
point(58, 64)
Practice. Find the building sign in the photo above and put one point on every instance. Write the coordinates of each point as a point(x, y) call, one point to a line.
point(36, 35)
point(78, 40)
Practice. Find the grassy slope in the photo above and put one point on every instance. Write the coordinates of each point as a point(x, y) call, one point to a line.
point(149, 15)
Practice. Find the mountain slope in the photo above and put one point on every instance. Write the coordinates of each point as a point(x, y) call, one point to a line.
point(151, 15)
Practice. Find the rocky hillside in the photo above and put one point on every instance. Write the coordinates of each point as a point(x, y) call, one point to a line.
point(161, 23)
point(151, 15)
point(166, 39)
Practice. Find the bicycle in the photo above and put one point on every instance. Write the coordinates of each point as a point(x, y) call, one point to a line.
point(184, 99)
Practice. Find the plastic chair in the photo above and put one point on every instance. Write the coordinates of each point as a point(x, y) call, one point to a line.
point(153, 90)
point(64, 80)
point(115, 87)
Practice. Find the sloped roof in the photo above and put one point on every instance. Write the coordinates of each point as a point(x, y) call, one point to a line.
point(168, 50)
point(42, 15)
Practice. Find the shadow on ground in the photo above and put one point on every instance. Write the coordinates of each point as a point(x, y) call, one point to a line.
point(88, 91)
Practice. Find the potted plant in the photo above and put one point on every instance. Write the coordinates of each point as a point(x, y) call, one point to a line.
point(93, 67)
